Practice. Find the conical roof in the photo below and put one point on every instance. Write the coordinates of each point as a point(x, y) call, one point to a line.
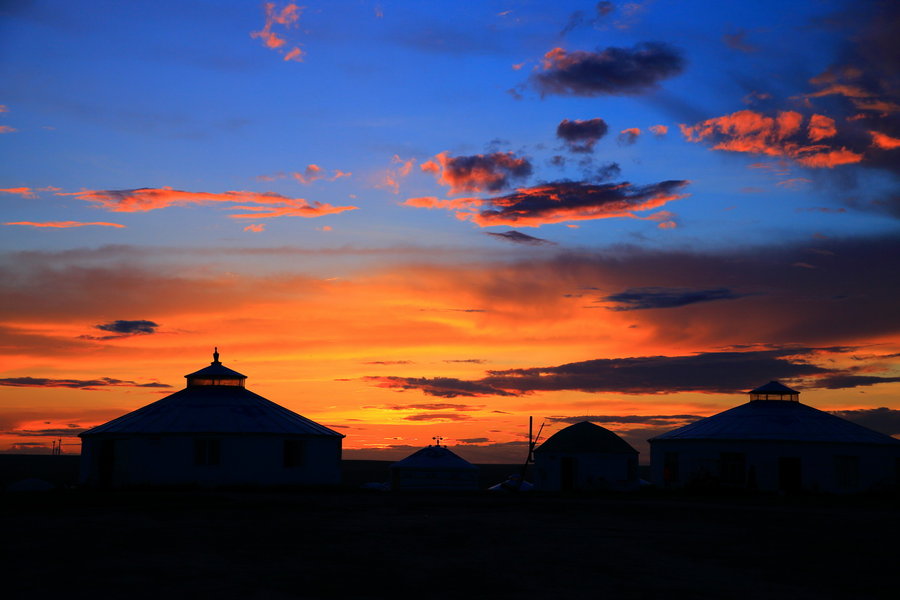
point(784, 421)
point(434, 457)
point(585, 437)
point(773, 387)
point(213, 408)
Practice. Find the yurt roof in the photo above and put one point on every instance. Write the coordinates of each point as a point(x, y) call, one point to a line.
point(434, 457)
point(585, 437)
point(773, 387)
point(213, 409)
point(774, 420)
point(216, 370)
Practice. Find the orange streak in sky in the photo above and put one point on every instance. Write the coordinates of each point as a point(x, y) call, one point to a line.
point(65, 224)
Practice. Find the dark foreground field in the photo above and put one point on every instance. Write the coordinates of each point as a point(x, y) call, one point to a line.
point(346, 543)
point(350, 544)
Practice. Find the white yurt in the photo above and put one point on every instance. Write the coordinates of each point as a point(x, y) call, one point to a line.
point(585, 456)
point(215, 432)
point(434, 468)
point(776, 443)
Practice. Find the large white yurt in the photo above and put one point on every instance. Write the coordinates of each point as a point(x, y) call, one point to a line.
point(776, 443)
point(215, 432)
point(434, 468)
point(585, 456)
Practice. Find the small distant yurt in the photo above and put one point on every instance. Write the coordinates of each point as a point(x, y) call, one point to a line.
point(585, 456)
point(776, 443)
point(215, 432)
point(434, 468)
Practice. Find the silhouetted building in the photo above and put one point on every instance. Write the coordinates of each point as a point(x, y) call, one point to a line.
point(775, 443)
point(434, 468)
point(215, 432)
point(585, 456)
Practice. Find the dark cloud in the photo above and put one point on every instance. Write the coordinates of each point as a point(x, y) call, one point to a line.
point(475, 361)
point(477, 440)
point(123, 328)
point(443, 387)
point(479, 172)
point(437, 417)
point(129, 327)
point(557, 202)
point(886, 420)
point(576, 20)
point(659, 297)
point(711, 372)
point(656, 420)
point(517, 237)
point(581, 136)
point(604, 172)
point(58, 432)
point(580, 18)
point(707, 372)
point(848, 380)
point(82, 384)
point(613, 71)
point(436, 406)
point(387, 362)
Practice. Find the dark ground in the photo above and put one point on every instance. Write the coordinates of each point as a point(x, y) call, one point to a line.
point(352, 544)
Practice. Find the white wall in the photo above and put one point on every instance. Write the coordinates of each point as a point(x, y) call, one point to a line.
point(244, 460)
point(593, 471)
point(877, 465)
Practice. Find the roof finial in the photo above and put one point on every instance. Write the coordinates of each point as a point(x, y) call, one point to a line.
point(437, 441)
point(216, 355)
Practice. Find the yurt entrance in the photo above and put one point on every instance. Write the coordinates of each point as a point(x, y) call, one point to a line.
point(106, 461)
point(790, 474)
point(567, 471)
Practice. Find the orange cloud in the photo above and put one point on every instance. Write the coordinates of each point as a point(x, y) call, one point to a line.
point(821, 127)
point(315, 172)
point(4, 108)
point(295, 55)
point(312, 173)
point(752, 132)
point(629, 136)
point(659, 130)
point(391, 178)
point(7, 129)
point(433, 202)
point(819, 157)
point(794, 182)
point(478, 172)
point(287, 17)
point(256, 227)
point(65, 224)
point(270, 177)
point(258, 205)
point(25, 192)
point(880, 140)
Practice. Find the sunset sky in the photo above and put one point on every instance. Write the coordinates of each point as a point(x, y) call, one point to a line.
point(417, 219)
